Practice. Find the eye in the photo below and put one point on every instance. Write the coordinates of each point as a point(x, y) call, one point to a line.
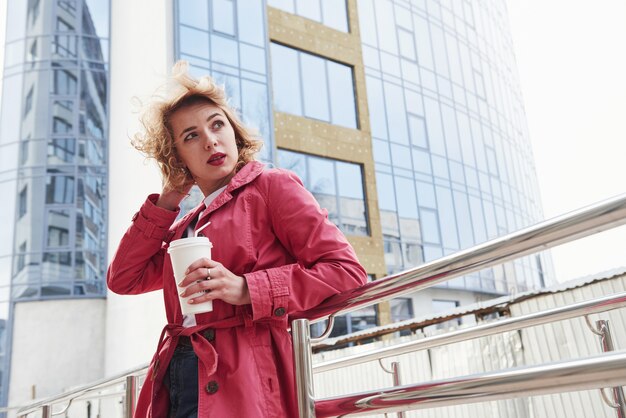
point(189, 137)
point(217, 124)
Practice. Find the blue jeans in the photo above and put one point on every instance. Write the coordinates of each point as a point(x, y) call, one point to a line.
point(181, 380)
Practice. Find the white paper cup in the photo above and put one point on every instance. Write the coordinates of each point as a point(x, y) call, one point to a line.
point(183, 252)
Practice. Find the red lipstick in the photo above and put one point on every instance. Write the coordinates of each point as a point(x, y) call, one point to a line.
point(217, 159)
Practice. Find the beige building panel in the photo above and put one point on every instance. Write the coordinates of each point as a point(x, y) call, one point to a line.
point(319, 138)
point(308, 35)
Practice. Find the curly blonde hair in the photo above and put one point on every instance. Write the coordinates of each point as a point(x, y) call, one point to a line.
point(156, 140)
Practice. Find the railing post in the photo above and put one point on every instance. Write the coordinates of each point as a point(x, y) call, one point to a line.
point(300, 331)
point(606, 341)
point(130, 399)
point(46, 411)
point(397, 381)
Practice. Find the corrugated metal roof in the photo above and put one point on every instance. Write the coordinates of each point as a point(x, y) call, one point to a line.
point(492, 305)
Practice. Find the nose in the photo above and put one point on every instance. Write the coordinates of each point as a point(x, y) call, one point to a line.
point(210, 141)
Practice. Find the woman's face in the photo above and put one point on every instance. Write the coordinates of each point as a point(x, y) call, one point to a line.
point(205, 142)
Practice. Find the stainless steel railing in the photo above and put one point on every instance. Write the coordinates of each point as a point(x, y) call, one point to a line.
point(595, 372)
point(89, 391)
point(580, 374)
point(598, 305)
point(547, 234)
point(577, 224)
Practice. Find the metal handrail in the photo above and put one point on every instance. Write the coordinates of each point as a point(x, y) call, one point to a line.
point(586, 221)
point(572, 375)
point(76, 393)
point(503, 325)
point(580, 374)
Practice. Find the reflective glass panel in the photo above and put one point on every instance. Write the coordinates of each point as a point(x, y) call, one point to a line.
point(286, 76)
point(224, 16)
point(194, 13)
point(341, 87)
point(314, 87)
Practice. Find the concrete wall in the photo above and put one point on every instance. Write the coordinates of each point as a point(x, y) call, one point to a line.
point(142, 29)
point(56, 345)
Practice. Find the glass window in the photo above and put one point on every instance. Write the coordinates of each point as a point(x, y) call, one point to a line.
point(309, 9)
point(439, 50)
point(426, 194)
point(251, 21)
point(60, 189)
point(464, 219)
point(65, 82)
point(342, 100)
point(433, 121)
point(421, 161)
point(386, 192)
point(224, 16)
point(61, 151)
point(417, 129)
point(401, 156)
point(252, 58)
point(98, 10)
point(286, 75)
point(194, 42)
point(322, 176)
point(376, 104)
point(396, 114)
point(350, 180)
point(314, 87)
point(194, 13)
point(286, 5)
point(430, 226)
point(447, 218)
point(335, 14)
point(401, 309)
point(367, 19)
point(61, 126)
point(381, 151)
point(224, 50)
point(407, 47)
point(385, 21)
point(28, 102)
point(23, 202)
point(314, 76)
point(407, 203)
point(422, 40)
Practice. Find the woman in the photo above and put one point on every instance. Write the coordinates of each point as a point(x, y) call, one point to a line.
point(274, 253)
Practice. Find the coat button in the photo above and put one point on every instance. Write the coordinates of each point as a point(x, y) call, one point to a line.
point(209, 334)
point(279, 311)
point(212, 387)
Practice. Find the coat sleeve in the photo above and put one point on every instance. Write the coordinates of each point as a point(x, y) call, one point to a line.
point(326, 263)
point(137, 265)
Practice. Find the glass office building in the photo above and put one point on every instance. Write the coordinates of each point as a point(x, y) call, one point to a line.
point(433, 88)
point(53, 153)
point(403, 118)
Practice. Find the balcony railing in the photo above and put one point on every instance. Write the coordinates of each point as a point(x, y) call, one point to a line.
point(607, 370)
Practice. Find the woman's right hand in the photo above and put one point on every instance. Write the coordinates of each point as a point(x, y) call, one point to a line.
point(170, 198)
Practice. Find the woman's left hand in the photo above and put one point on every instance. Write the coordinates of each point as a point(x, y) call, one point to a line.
point(215, 282)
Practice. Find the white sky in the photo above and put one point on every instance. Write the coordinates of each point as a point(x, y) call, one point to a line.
point(571, 56)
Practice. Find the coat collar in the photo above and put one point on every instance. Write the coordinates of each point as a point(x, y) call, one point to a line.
point(246, 175)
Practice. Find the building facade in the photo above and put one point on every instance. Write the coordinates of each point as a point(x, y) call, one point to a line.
point(403, 118)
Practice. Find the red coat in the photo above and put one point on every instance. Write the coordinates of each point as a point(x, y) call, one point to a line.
point(268, 228)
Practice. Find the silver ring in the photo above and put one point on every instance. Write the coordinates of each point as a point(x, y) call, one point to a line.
point(208, 273)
